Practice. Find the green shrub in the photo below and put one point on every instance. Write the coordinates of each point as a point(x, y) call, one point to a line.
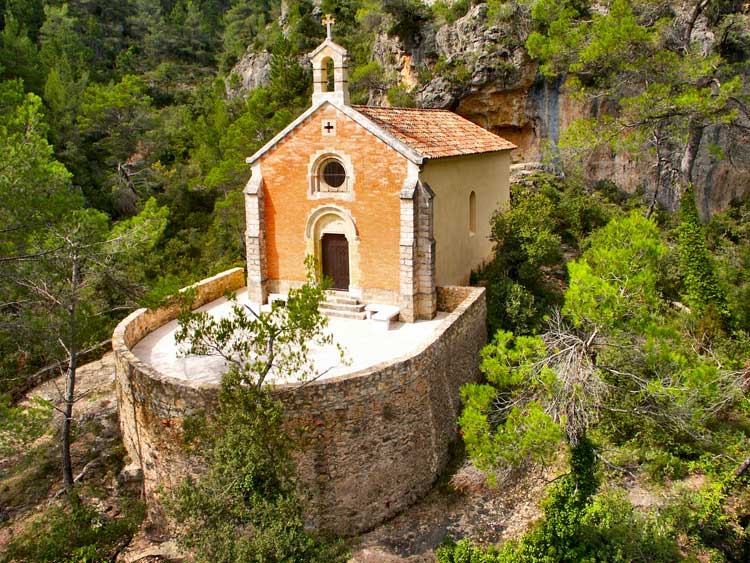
point(247, 506)
point(365, 79)
point(663, 465)
point(579, 527)
point(407, 19)
point(703, 517)
point(400, 97)
point(75, 535)
point(447, 11)
point(615, 531)
point(454, 70)
point(527, 275)
point(464, 552)
point(728, 237)
point(702, 290)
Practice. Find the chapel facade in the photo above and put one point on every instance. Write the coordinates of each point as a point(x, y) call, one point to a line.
point(391, 202)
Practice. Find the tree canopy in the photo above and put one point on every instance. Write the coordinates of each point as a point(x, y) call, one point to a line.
point(656, 83)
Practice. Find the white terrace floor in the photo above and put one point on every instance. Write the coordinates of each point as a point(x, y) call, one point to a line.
point(365, 344)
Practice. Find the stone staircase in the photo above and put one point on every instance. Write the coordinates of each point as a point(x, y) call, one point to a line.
point(341, 304)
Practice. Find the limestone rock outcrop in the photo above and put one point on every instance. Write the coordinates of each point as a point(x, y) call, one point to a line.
point(478, 67)
point(252, 71)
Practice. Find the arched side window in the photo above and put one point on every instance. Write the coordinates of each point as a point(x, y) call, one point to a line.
point(472, 213)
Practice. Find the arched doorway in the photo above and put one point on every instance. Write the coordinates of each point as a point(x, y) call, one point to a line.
point(333, 239)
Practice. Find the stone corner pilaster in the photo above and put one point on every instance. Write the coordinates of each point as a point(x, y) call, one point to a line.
point(408, 258)
point(426, 294)
point(255, 239)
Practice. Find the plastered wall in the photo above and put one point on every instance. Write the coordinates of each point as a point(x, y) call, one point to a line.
point(457, 250)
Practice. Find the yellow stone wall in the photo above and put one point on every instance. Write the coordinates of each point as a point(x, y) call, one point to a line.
point(457, 251)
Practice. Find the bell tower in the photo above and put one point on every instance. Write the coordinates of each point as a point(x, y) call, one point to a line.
point(329, 62)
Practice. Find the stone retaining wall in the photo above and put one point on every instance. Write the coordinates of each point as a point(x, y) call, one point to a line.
point(151, 406)
point(373, 441)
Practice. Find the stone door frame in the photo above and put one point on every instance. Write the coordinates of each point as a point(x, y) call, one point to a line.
point(334, 220)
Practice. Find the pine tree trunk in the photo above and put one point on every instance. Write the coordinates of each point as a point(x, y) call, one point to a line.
point(68, 415)
point(70, 382)
point(695, 134)
point(658, 173)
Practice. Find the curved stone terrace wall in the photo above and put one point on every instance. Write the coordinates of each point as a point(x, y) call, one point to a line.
point(373, 441)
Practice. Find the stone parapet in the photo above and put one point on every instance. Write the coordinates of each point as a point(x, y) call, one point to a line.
point(371, 442)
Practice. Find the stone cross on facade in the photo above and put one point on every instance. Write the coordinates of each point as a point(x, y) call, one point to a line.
point(328, 21)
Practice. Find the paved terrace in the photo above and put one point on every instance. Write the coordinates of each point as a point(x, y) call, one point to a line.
point(365, 343)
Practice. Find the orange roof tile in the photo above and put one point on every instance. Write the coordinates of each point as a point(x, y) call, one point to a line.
point(435, 133)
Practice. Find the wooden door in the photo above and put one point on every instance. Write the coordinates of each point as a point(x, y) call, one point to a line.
point(335, 249)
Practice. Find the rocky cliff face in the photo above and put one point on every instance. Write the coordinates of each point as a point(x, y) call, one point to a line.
point(480, 69)
point(252, 71)
point(503, 92)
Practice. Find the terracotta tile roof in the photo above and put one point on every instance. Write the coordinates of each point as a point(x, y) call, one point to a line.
point(435, 133)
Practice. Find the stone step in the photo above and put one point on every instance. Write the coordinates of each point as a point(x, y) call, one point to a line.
point(343, 300)
point(356, 315)
point(341, 297)
point(354, 307)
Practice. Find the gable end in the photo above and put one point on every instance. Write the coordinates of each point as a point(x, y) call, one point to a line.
point(367, 124)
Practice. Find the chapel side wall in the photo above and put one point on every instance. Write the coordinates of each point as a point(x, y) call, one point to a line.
point(452, 180)
point(373, 442)
point(374, 202)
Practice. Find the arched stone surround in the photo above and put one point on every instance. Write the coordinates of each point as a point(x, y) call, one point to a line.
point(313, 173)
point(332, 219)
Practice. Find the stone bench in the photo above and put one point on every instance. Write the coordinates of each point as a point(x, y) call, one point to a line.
point(383, 315)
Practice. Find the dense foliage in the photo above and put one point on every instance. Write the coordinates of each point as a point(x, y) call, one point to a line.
point(658, 83)
point(247, 506)
point(661, 384)
point(76, 535)
point(106, 106)
point(121, 168)
point(702, 290)
point(579, 527)
point(545, 220)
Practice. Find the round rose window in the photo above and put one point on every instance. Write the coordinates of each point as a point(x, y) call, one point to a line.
point(334, 173)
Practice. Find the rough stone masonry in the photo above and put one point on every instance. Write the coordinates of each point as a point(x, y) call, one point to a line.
point(373, 441)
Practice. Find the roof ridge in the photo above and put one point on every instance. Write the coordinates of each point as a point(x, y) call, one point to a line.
point(434, 132)
point(401, 108)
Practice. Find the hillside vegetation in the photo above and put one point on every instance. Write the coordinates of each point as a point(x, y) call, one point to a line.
point(620, 325)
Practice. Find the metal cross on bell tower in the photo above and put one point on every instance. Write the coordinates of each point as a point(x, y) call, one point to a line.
point(328, 21)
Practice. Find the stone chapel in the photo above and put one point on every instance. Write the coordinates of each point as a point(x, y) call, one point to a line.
point(392, 202)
